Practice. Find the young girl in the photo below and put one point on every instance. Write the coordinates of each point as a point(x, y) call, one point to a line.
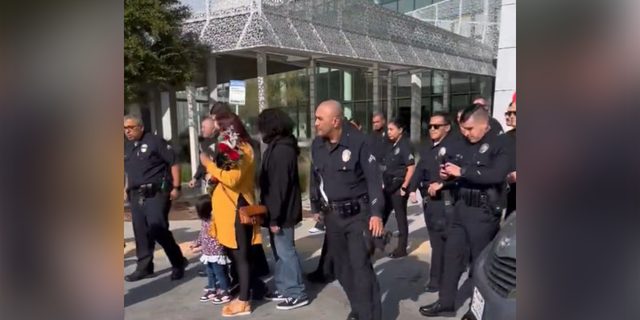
point(213, 257)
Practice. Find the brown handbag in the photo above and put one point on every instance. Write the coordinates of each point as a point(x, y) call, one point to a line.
point(252, 215)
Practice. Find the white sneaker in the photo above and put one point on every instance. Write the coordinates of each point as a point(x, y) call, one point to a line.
point(315, 230)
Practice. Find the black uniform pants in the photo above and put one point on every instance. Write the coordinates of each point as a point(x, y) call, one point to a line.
point(347, 248)
point(398, 203)
point(435, 219)
point(511, 200)
point(470, 230)
point(150, 225)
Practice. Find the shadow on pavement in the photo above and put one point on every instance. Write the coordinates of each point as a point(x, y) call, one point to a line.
point(401, 279)
point(158, 286)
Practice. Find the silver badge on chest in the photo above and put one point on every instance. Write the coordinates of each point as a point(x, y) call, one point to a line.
point(396, 151)
point(442, 152)
point(143, 148)
point(346, 155)
point(484, 148)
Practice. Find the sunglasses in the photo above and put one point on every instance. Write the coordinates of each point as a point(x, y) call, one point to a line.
point(436, 126)
point(510, 113)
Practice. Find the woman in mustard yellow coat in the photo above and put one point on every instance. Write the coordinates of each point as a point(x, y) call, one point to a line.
point(236, 188)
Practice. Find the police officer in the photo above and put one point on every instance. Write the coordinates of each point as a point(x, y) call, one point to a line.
point(482, 162)
point(399, 165)
point(495, 128)
point(153, 180)
point(427, 178)
point(379, 139)
point(346, 189)
point(511, 134)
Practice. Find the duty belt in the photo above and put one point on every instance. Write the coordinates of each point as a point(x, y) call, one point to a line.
point(345, 208)
point(473, 197)
point(145, 191)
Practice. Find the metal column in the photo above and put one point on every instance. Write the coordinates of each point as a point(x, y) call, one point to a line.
point(262, 81)
point(376, 87)
point(193, 132)
point(312, 98)
point(416, 106)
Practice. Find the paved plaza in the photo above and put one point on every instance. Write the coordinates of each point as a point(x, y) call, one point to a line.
point(401, 281)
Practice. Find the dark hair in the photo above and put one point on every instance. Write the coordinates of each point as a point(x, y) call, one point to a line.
point(444, 115)
point(227, 120)
point(398, 122)
point(476, 109)
point(219, 107)
point(275, 123)
point(204, 207)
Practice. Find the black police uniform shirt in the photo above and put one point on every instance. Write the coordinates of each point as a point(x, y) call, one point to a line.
point(379, 141)
point(431, 157)
point(148, 161)
point(495, 128)
point(484, 164)
point(398, 157)
point(345, 171)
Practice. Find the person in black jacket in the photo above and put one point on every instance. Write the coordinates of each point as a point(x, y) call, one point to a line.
point(280, 192)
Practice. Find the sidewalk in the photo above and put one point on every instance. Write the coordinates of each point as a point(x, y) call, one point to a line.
point(401, 281)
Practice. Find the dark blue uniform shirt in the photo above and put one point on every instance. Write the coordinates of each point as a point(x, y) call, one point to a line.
point(484, 164)
point(431, 157)
point(398, 157)
point(345, 171)
point(148, 161)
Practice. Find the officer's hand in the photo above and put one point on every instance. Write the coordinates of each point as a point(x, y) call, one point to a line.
point(192, 183)
point(376, 226)
point(317, 217)
point(126, 197)
point(434, 187)
point(443, 173)
point(174, 195)
point(512, 177)
point(275, 229)
point(452, 170)
point(413, 197)
point(402, 193)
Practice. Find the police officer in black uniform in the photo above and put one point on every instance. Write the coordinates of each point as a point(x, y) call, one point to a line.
point(379, 138)
point(482, 162)
point(153, 180)
point(346, 192)
point(427, 178)
point(399, 165)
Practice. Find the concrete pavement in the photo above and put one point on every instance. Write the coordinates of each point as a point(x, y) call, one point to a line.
point(401, 281)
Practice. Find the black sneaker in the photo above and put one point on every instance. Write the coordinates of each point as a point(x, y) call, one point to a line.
point(274, 296)
point(292, 303)
point(137, 276)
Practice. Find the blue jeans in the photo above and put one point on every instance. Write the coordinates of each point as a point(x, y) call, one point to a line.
point(217, 273)
point(288, 275)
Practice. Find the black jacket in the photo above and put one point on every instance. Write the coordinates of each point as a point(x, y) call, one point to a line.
point(279, 183)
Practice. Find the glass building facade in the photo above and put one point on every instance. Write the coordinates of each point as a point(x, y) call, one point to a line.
point(354, 89)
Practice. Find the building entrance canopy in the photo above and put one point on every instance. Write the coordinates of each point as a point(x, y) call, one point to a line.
point(340, 31)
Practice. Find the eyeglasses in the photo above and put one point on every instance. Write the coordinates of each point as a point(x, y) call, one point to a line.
point(130, 127)
point(510, 113)
point(436, 126)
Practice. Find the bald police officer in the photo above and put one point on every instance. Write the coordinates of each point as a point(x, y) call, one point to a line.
point(479, 169)
point(153, 180)
point(347, 190)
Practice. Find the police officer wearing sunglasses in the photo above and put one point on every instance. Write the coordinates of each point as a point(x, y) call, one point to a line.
point(427, 178)
point(478, 172)
point(153, 181)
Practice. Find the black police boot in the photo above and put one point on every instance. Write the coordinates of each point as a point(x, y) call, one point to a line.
point(352, 316)
point(137, 276)
point(438, 310)
point(177, 272)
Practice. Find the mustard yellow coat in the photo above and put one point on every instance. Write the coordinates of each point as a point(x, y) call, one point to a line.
point(234, 182)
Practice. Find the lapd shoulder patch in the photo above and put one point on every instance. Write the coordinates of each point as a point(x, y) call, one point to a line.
point(484, 148)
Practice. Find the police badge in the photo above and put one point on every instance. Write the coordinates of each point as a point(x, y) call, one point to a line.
point(484, 148)
point(346, 155)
